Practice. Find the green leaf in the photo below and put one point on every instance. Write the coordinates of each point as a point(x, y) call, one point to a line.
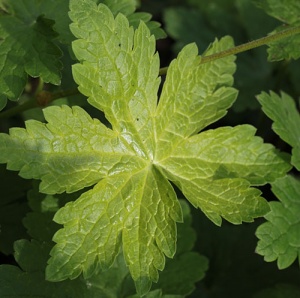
point(279, 237)
point(182, 24)
point(187, 267)
point(12, 209)
point(283, 111)
point(29, 280)
point(115, 282)
point(288, 12)
point(50, 152)
point(43, 209)
point(11, 216)
point(154, 27)
point(174, 280)
point(27, 48)
point(3, 102)
point(194, 95)
point(128, 7)
point(134, 216)
point(279, 291)
point(132, 206)
point(286, 48)
point(203, 163)
point(127, 89)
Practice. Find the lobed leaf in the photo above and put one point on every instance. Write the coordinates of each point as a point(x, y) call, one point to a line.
point(72, 151)
point(288, 12)
point(279, 236)
point(193, 96)
point(115, 282)
point(286, 48)
point(119, 73)
point(226, 152)
point(286, 120)
point(207, 168)
point(140, 207)
point(27, 48)
point(132, 205)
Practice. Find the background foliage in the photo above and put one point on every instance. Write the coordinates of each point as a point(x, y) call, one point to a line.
point(231, 261)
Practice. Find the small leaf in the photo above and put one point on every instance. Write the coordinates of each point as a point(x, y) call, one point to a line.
point(286, 48)
point(287, 11)
point(279, 237)
point(282, 110)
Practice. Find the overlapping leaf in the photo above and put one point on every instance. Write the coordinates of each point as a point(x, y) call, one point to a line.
point(288, 12)
point(279, 236)
point(283, 111)
point(27, 47)
point(28, 30)
point(115, 282)
point(132, 204)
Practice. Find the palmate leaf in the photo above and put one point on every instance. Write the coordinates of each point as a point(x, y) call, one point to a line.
point(133, 204)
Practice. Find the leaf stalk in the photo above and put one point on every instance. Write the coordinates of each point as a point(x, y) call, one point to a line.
point(246, 46)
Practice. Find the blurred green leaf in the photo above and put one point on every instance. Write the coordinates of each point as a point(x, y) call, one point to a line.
point(286, 48)
point(279, 291)
point(288, 12)
point(3, 102)
point(187, 25)
point(27, 48)
point(13, 208)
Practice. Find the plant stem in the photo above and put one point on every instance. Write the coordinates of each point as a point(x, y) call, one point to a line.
point(42, 99)
point(246, 46)
point(30, 104)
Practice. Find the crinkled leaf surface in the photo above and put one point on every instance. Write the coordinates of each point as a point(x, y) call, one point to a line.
point(280, 235)
point(132, 203)
point(27, 47)
point(288, 12)
point(43, 209)
point(115, 282)
point(286, 120)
